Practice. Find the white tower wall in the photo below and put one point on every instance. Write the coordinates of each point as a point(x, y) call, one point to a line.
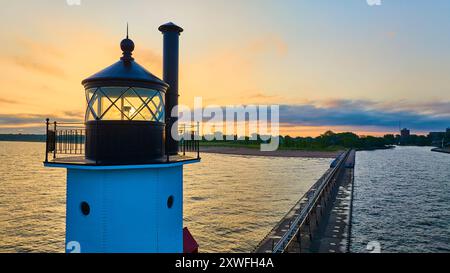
point(128, 209)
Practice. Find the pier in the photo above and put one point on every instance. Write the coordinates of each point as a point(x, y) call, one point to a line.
point(320, 221)
point(441, 150)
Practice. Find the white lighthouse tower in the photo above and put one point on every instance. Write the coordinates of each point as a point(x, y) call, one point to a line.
point(124, 173)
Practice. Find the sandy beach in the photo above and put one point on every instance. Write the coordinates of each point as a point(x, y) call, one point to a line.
point(278, 153)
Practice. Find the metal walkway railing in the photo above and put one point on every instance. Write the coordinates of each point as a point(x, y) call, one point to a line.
point(313, 198)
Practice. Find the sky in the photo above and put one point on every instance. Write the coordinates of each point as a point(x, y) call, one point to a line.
point(342, 65)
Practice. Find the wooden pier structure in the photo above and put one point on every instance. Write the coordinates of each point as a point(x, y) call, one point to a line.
point(320, 221)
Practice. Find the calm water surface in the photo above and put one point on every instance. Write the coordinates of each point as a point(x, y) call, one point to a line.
point(230, 202)
point(402, 200)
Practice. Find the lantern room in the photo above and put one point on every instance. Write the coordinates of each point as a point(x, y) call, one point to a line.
point(125, 113)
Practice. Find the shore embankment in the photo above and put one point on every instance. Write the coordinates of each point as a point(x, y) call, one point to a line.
point(277, 153)
point(386, 147)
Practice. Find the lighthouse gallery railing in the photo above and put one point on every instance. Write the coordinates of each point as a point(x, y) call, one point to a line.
point(69, 139)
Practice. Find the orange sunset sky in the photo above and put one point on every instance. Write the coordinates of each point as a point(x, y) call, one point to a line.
point(340, 65)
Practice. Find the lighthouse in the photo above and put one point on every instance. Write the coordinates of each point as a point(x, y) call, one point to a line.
point(124, 166)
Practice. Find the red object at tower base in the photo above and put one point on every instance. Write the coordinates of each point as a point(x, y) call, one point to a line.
point(189, 243)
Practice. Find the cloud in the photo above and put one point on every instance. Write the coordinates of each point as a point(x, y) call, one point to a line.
point(43, 49)
point(431, 108)
point(74, 114)
point(150, 58)
point(360, 113)
point(7, 101)
point(355, 114)
point(37, 56)
point(24, 119)
point(259, 97)
point(33, 64)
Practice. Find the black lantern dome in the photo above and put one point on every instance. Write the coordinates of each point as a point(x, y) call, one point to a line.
point(125, 113)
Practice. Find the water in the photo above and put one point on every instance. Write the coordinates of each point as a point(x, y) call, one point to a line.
point(402, 200)
point(230, 204)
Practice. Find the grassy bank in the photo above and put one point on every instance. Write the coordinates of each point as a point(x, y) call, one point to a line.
point(238, 144)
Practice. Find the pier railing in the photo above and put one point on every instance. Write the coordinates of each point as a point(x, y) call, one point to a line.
point(68, 139)
point(189, 138)
point(64, 139)
point(313, 198)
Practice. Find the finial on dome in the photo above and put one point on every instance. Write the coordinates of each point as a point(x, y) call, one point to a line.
point(127, 46)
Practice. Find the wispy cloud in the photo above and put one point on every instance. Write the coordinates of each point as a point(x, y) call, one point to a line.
point(36, 65)
point(43, 49)
point(7, 101)
point(25, 119)
point(37, 56)
point(360, 113)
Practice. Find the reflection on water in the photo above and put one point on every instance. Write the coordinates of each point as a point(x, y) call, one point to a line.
point(32, 200)
point(230, 203)
point(402, 200)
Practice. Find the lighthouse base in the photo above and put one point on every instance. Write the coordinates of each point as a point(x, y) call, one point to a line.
point(125, 210)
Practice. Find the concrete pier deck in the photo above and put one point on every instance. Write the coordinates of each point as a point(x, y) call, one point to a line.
point(333, 233)
point(326, 226)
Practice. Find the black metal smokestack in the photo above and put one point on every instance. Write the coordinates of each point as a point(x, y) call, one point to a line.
point(171, 34)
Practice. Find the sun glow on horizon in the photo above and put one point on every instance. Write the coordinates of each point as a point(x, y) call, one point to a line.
point(376, 67)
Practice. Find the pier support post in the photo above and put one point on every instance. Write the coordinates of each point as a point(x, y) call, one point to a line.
point(309, 229)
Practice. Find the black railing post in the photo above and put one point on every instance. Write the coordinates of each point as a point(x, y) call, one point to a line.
point(198, 140)
point(46, 140)
point(55, 141)
point(184, 139)
point(76, 141)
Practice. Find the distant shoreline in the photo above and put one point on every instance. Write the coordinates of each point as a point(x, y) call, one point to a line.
point(277, 153)
point(22, 138)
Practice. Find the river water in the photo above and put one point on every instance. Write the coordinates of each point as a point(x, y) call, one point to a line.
point(230, 202)
point(402, 200)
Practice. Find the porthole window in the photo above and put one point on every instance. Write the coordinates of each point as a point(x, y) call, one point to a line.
point(85, 208)
point(170, 202)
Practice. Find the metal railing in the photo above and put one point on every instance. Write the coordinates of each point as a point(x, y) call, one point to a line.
point(64, 138)
point(70, 139)
point(189, 138)
point(313, 199)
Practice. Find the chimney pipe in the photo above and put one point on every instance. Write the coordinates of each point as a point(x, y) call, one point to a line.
point(171, 34)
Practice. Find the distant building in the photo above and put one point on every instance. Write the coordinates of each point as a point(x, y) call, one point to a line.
point(405, 133)
point(438, 138)
point(404, 136)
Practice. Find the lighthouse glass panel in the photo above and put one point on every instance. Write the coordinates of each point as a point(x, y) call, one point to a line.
point(124, 103)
